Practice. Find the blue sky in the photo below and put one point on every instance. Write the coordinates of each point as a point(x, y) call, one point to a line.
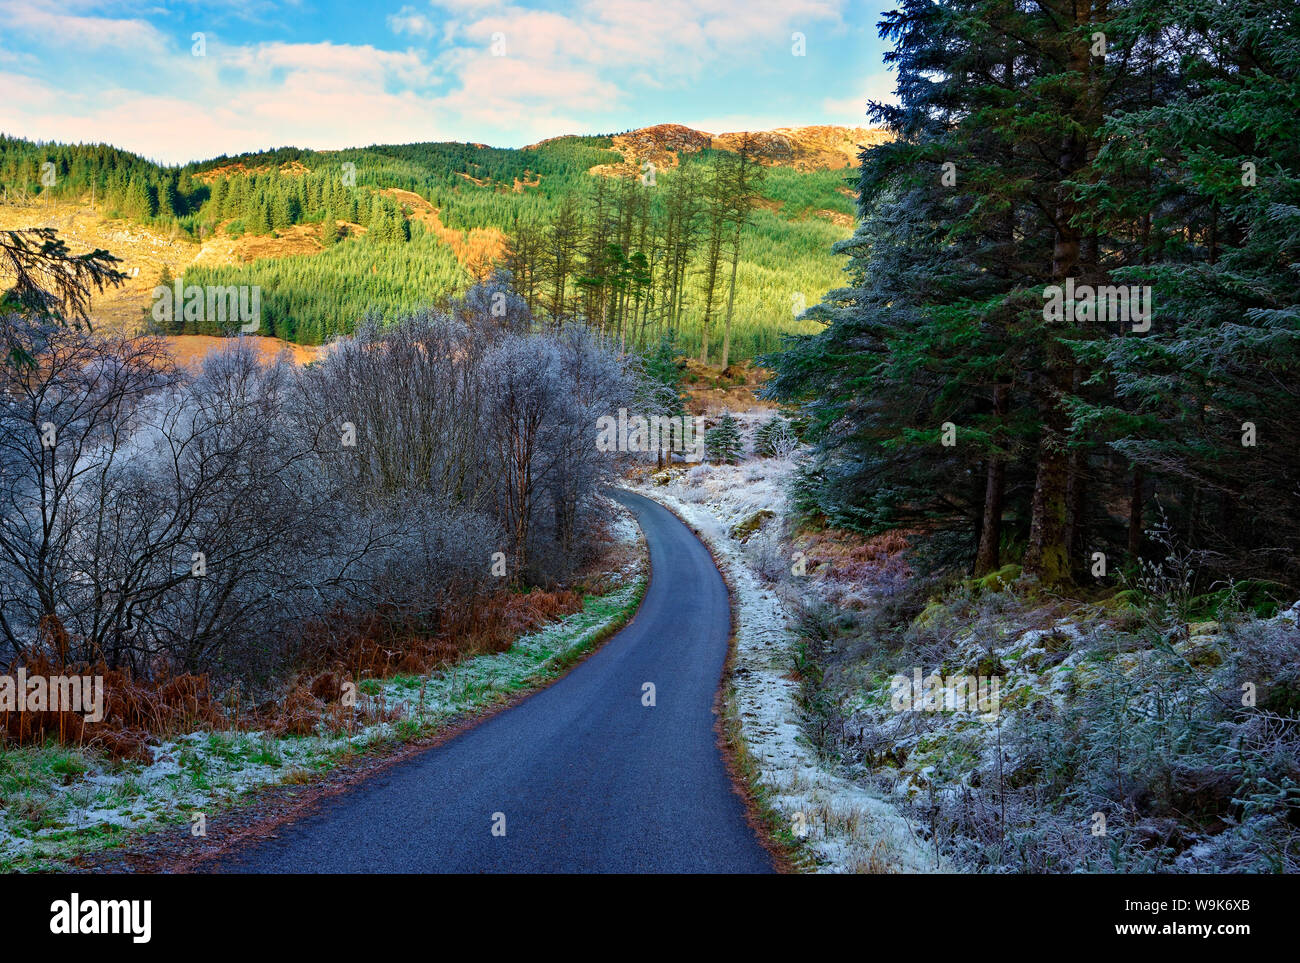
point(330, 73)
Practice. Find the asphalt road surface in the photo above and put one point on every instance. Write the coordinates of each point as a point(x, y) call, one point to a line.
point(587, 778)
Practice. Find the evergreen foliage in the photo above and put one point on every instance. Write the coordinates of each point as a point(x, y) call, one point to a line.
point(639, 261)
point(722, 443)
point(942, 391)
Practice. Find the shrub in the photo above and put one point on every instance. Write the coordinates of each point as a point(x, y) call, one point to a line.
point(775, 438)
point(722, 443)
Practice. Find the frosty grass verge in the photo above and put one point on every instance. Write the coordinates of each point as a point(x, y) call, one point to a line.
point(843, 826)
point(56, 801)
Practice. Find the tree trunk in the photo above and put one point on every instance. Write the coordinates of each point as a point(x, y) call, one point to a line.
point(1076, 508)
point(1135, 503)
point(987, 555)
point(1047, 556)
point(731, 302)
point(1076, 496)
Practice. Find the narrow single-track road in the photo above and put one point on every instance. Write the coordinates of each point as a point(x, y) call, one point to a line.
point(582, 776)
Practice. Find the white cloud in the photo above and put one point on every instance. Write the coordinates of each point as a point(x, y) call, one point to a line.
point(36, 19)
point(673, 40)
point(878, 87)
point(560, 70)
point(459, 6)
point(409, 21)
point(240, 98)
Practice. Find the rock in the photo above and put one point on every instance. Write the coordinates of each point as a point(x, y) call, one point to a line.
point(1002, 578)
point(1201, 654)
point(1203, 628)
point(929, 614)
point(742, 530)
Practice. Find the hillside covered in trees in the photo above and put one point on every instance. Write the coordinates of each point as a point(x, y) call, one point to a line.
point(651, 240)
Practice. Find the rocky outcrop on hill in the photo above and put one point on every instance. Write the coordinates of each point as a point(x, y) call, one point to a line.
point(822, 147)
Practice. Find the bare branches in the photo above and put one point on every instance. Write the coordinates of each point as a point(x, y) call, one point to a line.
point(195, 521)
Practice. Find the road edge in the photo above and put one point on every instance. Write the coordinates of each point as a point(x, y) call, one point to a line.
point(768, 824)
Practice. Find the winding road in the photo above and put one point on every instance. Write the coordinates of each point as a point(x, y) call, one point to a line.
point(586, 777)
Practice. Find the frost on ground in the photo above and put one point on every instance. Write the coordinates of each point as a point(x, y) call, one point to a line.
point(845, 827)
point(1194, 723)
point(1136, 729)
point(56, 800)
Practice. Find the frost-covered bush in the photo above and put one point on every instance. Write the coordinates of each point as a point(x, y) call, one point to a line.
point(768, 555)
point(1185, 748)
point(179, 517)
point(1152, 737)
point(775, 438)
point(697, 475)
